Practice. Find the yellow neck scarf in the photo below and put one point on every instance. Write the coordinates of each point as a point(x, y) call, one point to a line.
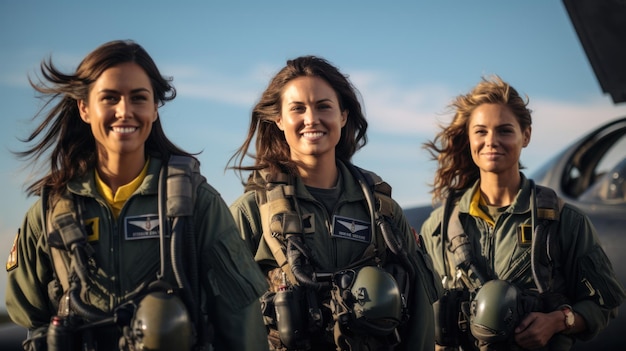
point(475, 209)
point(116, 201)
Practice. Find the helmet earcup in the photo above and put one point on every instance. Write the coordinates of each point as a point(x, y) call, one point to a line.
point(161, 322)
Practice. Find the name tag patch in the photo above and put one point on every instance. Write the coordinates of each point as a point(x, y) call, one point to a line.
point(351, 229)
point(141, 227)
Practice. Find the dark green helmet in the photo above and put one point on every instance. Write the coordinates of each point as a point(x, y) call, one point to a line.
point(378, 303)
point(494, 311)
point(161, 322)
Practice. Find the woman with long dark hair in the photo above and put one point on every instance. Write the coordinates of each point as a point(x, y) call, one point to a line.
point(100, 259)
point(348, 274)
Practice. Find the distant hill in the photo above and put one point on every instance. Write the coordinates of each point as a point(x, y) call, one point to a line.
point(11, 335)
point(4, 318)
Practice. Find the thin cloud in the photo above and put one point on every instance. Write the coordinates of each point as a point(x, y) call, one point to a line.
point(26, 63)
point(395, 109)
point(556, 120)
point(195, 82)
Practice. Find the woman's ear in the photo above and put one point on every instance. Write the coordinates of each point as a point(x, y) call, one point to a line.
point(344, 118)
point(279, 123)
point(527, 134)
point(83, 110)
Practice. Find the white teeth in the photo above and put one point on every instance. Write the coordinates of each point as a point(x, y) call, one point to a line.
point(313, 135)
point(124, 129)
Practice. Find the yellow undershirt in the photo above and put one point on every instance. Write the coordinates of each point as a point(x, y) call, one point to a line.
point(116, 201)
point(476, 211)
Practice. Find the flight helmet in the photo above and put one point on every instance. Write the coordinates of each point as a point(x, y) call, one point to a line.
point(495, 311)
point(377, 305)
point(161, 322)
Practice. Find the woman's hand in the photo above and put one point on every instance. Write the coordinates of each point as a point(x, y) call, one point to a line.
point(538, 328)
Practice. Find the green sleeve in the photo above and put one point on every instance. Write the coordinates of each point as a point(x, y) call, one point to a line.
point(418, 333)
point(226, 256)
point(248, 220)
point(424, 263)
point(431, 236)
point(233, 278)
point(29, 274)
point(242, 330)
point(596, 291)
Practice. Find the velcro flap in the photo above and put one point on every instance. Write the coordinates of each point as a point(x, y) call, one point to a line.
point(68, 229)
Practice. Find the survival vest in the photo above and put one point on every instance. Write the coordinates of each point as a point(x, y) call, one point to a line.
point(546, 209)
point(65, 228)
point(282, 225)
point(280, 217)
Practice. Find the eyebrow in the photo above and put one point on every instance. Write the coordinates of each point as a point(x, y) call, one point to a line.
point(498, 126)
point(317, 102)
point(134, 91)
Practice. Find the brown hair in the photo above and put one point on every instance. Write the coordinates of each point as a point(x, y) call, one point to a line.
point(272, 150)
point(450, 147)
point(72, 142)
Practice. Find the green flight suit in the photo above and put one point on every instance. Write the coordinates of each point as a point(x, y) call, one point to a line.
point(501, 254)
point(126, 257)
point(334, 253)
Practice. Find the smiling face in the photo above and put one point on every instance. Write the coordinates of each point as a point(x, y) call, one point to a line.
point(311, 119)
point(120, 110)
point(496, 139)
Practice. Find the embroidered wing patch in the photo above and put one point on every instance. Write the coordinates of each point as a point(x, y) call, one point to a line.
point(351, 229)
point(141, 227)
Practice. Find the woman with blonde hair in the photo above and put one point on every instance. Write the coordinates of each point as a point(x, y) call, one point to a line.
point(529, 268)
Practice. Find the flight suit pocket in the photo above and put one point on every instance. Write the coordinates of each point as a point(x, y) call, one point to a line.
point(598, 280)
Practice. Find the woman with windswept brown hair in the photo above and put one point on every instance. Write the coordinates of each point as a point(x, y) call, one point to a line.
point(100, 262)
point(313, 221)
point(530, 267)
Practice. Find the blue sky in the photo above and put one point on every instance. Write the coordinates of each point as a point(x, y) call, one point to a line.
point(407, 58)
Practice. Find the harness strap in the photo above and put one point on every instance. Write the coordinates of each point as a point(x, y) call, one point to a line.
point(381, 207)
point(462, 254)
point(183, 179)
point(382, 192)
point(64, 231)
point(284, 220)
point(546, 209)
point(381, 212)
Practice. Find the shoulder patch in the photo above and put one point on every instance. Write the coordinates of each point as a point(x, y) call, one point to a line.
point(92, 228)
point(12, 259)
point(524, 235)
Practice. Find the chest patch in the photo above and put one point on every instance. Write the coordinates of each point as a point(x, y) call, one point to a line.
point(141, 227)
point(525, 235)
point(308, 223)
point(92, 228)
point(351, 229)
